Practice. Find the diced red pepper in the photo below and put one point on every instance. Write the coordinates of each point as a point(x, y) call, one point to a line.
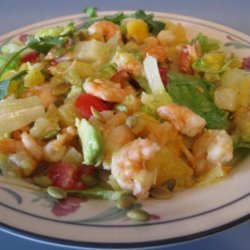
point(31, 57)
point(84, 102)
point(68, 176)
point(163, 73)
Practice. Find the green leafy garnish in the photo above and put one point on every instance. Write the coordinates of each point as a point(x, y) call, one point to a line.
point(154, 26)
point(90, 11)
point(100, 193)
point(56, 31)
point(42, 45)
point(195, 93)
point(207, 44)
point(116, 18)
point(12, 65)
point(5, 84)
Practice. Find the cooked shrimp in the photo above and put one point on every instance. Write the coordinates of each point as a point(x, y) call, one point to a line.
point(104, 28)
point(44, 92)
point(55, 149)
point(32, 146)
point(129, 166)
point(128, 62)
point(10, 146)
point(157, 51)
point(184, 119)
point(114, 139)
point(107, 90)
point(213, 148)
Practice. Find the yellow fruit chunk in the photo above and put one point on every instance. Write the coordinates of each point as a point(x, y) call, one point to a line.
point(138, 30)
point(214, 61)
point(34, 77)
point(170, 166)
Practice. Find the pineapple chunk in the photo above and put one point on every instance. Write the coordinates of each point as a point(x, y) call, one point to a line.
point(34, 77)
point(138, 30)
point(226, 98)
point(170, 166)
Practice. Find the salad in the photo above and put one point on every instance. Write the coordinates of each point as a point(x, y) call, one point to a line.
point(123, 107)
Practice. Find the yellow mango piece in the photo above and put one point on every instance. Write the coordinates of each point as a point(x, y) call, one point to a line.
point(170, 166)
point(34, 77)
point(244, 92)
point(138, 30)
point(214, 60)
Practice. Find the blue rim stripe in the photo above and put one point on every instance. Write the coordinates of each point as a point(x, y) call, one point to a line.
point(109, 245)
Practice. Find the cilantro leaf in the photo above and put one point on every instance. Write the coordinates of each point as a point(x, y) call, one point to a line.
point(90, 11)
point(154, 26)
point(4, 85)
point(116, 18)
point(195, 93)
point(43, 45)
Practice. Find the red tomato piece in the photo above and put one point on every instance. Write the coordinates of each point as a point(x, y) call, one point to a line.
point(163, 73)
point(185, 61)
point(121, 77)
point(66, 176)
point(84, 102)
point(31, 57)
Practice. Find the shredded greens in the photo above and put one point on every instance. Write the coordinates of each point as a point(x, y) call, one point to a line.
point(195, 93)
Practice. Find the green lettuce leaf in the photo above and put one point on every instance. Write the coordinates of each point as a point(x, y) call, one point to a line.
point(196, 94)
point(207, 44)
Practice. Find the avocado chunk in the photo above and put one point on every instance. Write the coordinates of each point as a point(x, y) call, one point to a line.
point(92, 142)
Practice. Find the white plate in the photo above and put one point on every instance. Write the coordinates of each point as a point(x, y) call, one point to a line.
point(190, 214)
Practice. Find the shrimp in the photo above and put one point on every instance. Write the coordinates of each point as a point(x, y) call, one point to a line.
point(184, 119)
point(104, 28)
point(10, 146)
point(129, 168)
point(213, 148)
point(114, 139)
point(44, 92)
point(157, 51)
point(107, 90)
point(128, 62)
point(55, 149)
point(32, 146)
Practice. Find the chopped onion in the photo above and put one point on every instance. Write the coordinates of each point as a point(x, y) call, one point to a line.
point(16, 113)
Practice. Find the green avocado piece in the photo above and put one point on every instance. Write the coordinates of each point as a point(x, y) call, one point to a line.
point(92, 142)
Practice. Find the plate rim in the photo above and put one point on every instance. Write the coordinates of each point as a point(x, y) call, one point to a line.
point(110, 245)
point(78, 244)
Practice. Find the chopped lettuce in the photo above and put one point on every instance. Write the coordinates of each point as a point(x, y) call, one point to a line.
point(196, 94)
point(92, 142)
point(100, 193)
point(211, 63)
point(55, 31)
point(158, 96)
point(206, 44)
point(17, 113)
